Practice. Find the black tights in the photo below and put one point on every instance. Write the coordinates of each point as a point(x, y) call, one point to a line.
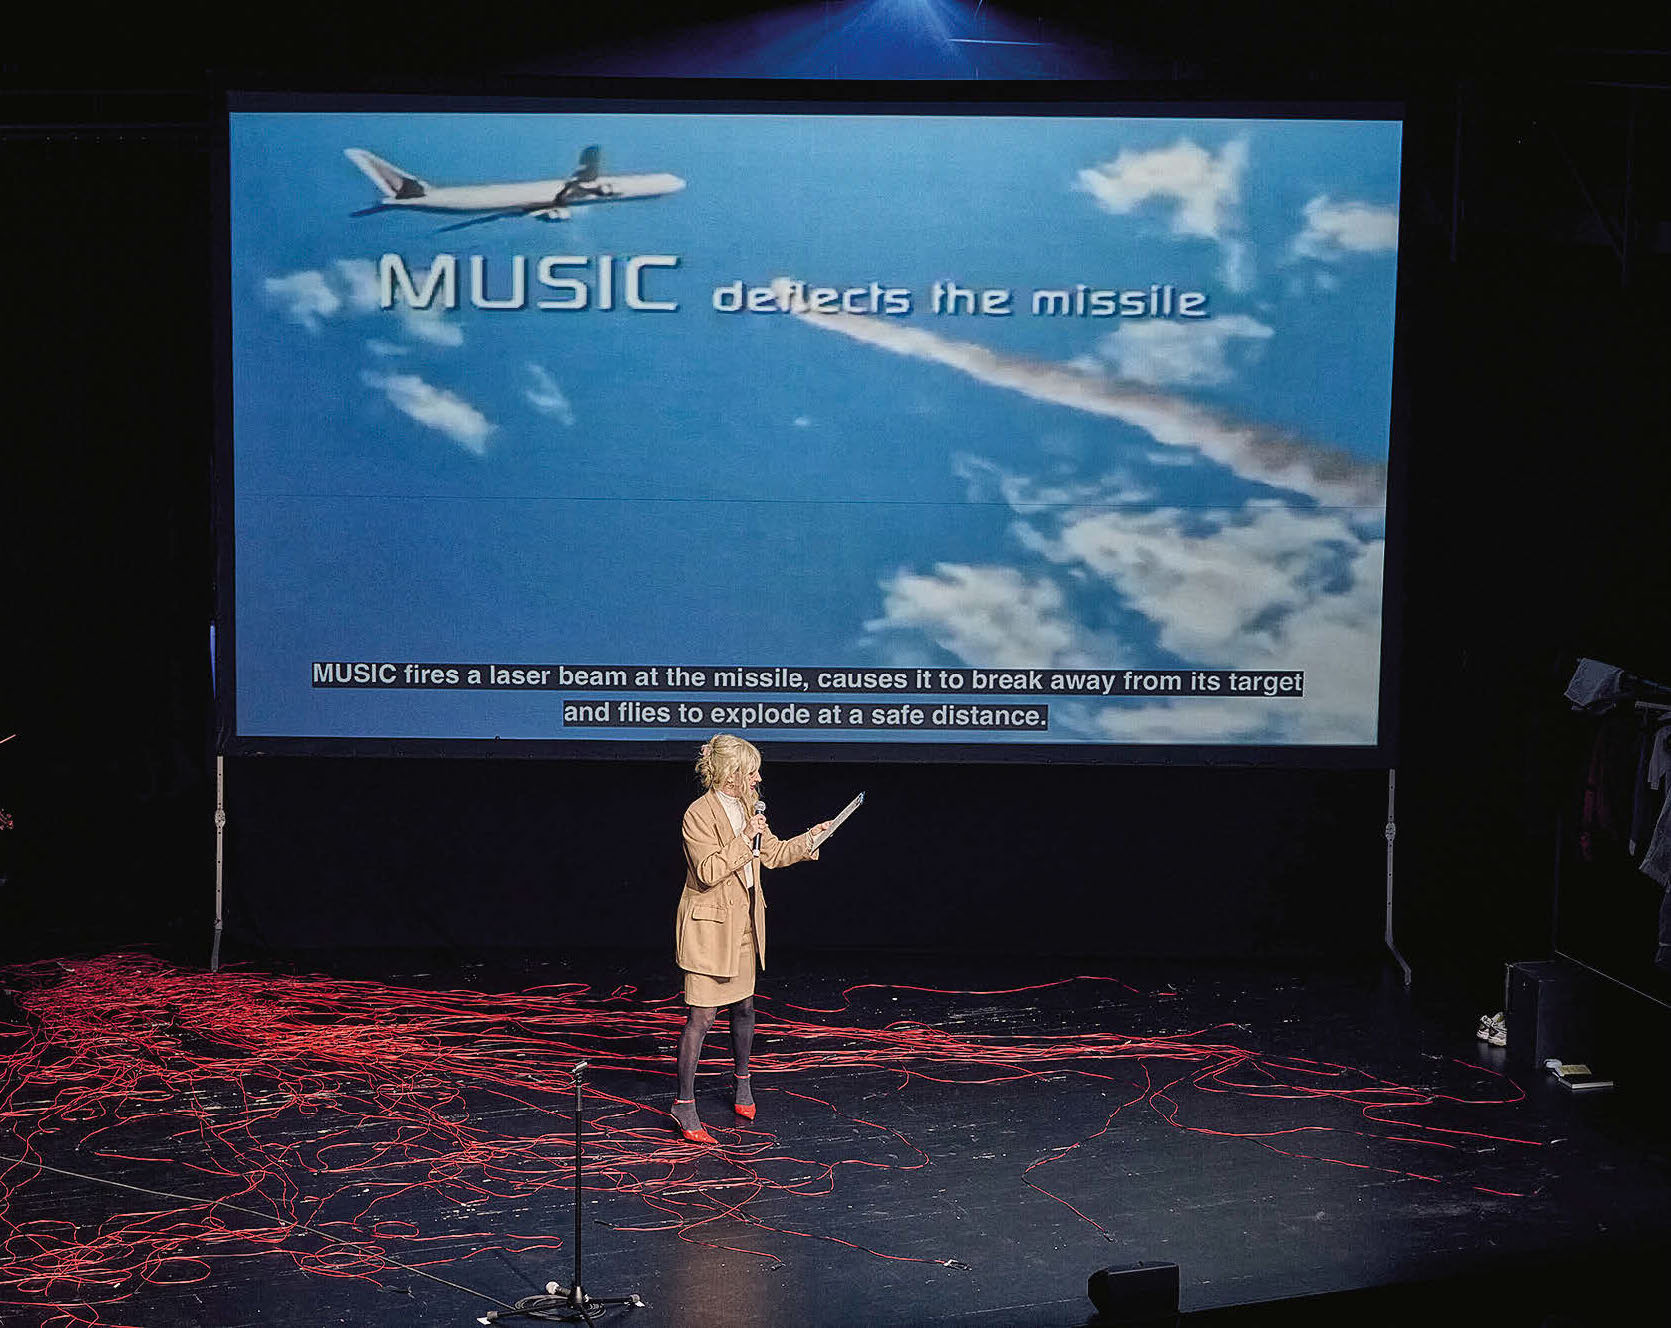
point(698, 1020)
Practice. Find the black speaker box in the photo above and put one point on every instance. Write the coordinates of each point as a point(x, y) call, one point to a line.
point(1550, 1012)
point(1135, 1293)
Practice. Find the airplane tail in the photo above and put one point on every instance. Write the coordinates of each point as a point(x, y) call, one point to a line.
point(590, 160)
point(391, 181)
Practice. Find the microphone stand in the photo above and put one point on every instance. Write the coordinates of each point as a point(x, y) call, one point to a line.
point(568, 1304)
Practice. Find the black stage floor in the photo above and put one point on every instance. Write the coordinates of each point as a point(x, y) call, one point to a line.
point(1306, 1148)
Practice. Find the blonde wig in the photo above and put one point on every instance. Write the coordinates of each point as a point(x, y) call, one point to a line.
point(724, 756)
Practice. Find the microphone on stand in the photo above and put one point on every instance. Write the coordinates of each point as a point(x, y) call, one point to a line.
point(759, 810)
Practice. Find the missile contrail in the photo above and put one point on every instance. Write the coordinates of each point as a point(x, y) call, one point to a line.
point(1253, 451)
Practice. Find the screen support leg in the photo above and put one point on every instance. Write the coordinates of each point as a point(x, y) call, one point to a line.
point(1391, 834)
point(220, 857)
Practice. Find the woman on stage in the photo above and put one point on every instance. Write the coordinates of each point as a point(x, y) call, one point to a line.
point(720, 928)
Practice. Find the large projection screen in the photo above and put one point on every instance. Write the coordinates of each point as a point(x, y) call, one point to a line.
point(997, 431)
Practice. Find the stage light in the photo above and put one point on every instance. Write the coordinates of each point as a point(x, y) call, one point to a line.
point(853, 39)
point(1135, 1293)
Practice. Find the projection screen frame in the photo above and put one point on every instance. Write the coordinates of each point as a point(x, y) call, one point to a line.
point(742, 97)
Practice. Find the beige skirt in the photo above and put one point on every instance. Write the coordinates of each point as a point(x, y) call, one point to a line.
point(704, 989)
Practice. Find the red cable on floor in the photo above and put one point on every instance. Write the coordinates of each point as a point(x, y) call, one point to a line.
point(361, 1129)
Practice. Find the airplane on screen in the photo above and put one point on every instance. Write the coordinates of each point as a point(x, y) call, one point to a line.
point(544, 200)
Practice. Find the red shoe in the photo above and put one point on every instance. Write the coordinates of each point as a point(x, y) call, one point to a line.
point(697, 1136)
point(743, 1109)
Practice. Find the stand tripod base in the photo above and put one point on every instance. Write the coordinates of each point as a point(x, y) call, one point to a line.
point(562, 1304)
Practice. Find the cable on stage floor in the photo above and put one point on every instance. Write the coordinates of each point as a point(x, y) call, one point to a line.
point(365, 1130)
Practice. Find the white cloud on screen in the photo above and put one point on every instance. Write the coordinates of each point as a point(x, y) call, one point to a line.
point(434, 408)
point(1162, 458)
point(1220, 585)
point(1253, 451)
point(1026, 496)
point(545, 396)
point(358, 279)
point(431, 325)
point(1203, 190)
point(349, 287)
point(1334, 230)
point(1334, 638)
point(1237, 269)
point(1167, 354)
point(986, 616)
point(304, 297)
point(1263, 586)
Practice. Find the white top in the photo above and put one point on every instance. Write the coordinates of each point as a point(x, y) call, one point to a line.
point(734, 813)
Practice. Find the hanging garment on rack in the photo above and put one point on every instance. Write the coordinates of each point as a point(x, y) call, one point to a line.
point(1662, 956)
point(1609, 789)
point(1656, 859)
point(1647, 793)
point(1595, 686)
point(1659, 761)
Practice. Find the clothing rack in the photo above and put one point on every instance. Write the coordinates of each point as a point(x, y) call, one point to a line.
point(1561, 830)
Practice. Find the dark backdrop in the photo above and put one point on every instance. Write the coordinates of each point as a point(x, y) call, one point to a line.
point(1051, 859)
point(1534, 352)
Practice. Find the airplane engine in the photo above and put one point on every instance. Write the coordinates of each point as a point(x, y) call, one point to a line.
point(551, 214)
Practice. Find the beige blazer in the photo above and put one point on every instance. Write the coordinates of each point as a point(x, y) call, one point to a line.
point(714, 906)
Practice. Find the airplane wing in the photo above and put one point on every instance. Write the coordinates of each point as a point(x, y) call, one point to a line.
point(579, 184)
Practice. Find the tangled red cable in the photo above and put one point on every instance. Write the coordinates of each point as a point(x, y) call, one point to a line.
point(359, 1128)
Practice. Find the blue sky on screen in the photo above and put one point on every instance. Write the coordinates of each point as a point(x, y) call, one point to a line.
point(710, 487)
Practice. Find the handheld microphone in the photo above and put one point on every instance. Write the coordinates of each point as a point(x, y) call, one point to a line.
point(759, 810)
